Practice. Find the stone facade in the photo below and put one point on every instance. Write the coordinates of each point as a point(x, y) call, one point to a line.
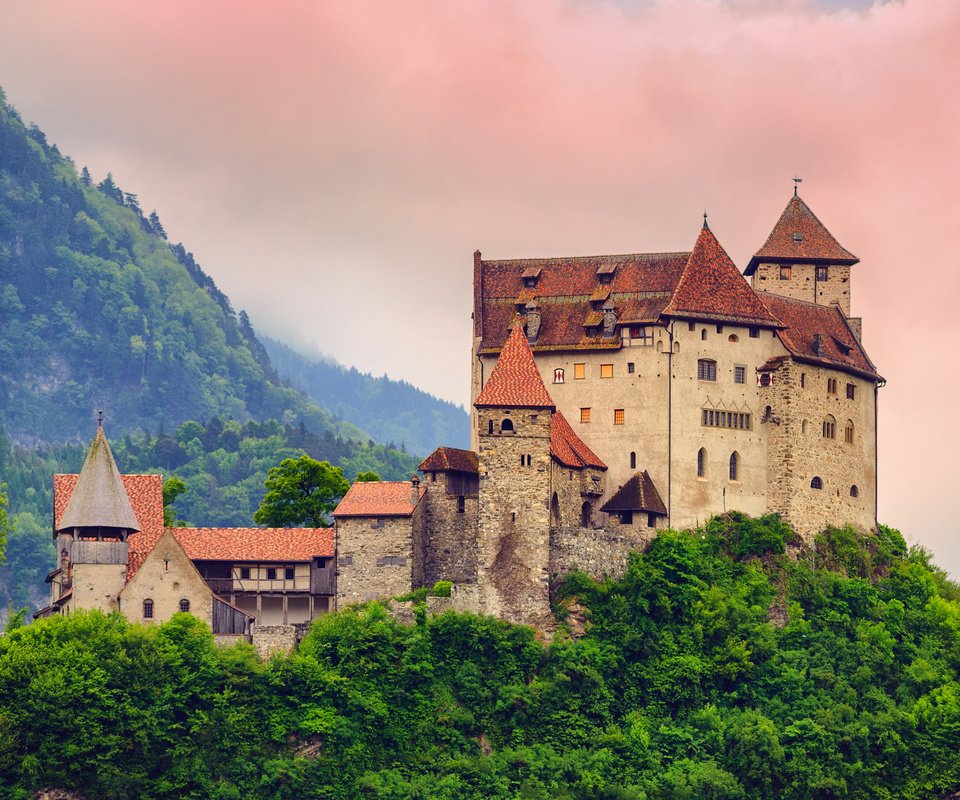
point(166, 579)
point(450, 527)
point(821, 284)
point(599, 552)
point(376, 556)
point(513, 520)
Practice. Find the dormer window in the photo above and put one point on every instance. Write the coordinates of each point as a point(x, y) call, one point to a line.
point(530, 276)
point(797, 236)
point(605, 273)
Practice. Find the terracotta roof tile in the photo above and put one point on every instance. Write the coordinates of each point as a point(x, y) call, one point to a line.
point(563, 293)
point(515, 380)
point(446, 459)
point(378, 499)
point(799, 236)
point(838, 346)
point(711, 287)
point(637, 494)
point(255, 544)
point(568, 448)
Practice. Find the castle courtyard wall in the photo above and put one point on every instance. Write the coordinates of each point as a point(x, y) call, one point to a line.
point(450, 534)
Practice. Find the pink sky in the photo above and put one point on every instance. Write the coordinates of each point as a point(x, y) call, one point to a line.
point(334, 165)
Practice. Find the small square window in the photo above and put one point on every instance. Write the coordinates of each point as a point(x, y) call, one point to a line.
point(822, 274)
point(606, 370)
point(630, 368)
point(706, 369)
point(786, 272)
point(288, 573)
point(618, 416)
point(584, 414)
point(851, 391)
point(271, 573)
point(579, 371)
point(739, 374)
point(754, 333)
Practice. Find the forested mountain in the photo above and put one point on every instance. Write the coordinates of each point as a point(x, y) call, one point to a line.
point(717, 669)
point(390, 411)
point(99, 311)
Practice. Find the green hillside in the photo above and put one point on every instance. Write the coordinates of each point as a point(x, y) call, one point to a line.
point(707, 672)
point(391, 411)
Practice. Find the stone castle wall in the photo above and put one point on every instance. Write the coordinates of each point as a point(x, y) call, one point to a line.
point(803, 284)
point(450, 534)
point(801, 399)
point(375, 557)
point(514, 524)
point(599, 552)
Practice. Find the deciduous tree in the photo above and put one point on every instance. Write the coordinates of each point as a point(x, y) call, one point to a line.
point(301, 491)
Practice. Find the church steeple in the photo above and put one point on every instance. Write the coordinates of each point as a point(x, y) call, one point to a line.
point(99, 504)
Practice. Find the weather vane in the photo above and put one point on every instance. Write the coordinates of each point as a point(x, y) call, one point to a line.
point(99, 417)
point(705, 220)
point(796, 182)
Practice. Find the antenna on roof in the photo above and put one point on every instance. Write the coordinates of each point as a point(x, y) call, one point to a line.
point(705, 220)
point(796, 182)
point(100, 418)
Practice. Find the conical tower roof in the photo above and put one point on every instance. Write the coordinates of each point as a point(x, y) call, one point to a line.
point(515, 381)
point(99, 499)
point(799, 237)
point(711, 287)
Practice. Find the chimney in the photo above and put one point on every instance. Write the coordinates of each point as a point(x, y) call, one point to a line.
point(414, 490)
point(609, 320)
point(818, 344)
point(532, 317)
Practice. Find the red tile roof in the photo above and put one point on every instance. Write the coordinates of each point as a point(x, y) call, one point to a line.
point(839, 348)
point(637, 494)
point(799, 236)
point(568, 448)
point(445, 459)
point(255, 544)
point(146, 497)
point(641, 282)
point(378, 499)
point(711, 287)
point(515, 381)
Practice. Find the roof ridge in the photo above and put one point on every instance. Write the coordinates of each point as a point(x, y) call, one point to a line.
point(546, 259)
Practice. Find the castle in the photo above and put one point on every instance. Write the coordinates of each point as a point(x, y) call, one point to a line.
point(613, 396)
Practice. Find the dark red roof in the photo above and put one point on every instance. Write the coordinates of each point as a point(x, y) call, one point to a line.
point(379, 499)
point(447, 459)
point(568, 448)
point(515, 381)
point(637, 494)
point(639, 288)
point(806, 321)
point(255, 544)
point(711, 287)
point(799, 236)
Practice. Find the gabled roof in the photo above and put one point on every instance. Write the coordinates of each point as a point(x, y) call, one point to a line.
point(515, 381)
point(805, 321)
point(450, 459)
point(640, 286)
point(379, 499)
point(568, 448)
point(99, 498)
point(800, 237)
point(637, 494)
point(711, 287)
point(255, 544)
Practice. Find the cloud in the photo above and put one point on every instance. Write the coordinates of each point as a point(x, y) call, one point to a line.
point(333, 165)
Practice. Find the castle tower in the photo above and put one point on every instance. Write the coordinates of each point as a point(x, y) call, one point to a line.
point(513, 413)
point(92, 534)
point(801, 259)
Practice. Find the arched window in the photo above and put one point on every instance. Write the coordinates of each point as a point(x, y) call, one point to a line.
point(703, 334)
point(507, 425)
point(829, 427)
point(854, 491)
point(701, 463)
point(586, 514)
point(148, 609)
point(816, 483)
point(733, 338)
point(558, 375)
point(848, 432)
point(185, 606)
point(706, 369)
point(555, 511)
point(633, 460)
point(805, 427)
point(734, 466)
